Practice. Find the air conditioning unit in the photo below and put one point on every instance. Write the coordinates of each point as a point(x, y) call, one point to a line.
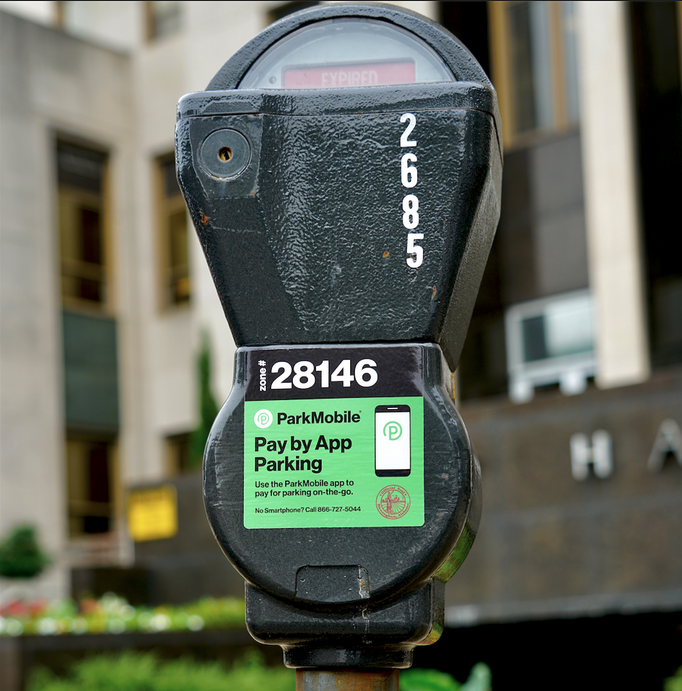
point(550, 341)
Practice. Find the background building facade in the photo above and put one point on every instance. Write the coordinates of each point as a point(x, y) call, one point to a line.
point(571, 378)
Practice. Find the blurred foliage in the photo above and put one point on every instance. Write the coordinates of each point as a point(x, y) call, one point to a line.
point(133, 671)
point(674, 683)
point(208, 408)
point(427, 680)
point(20, 554)
point(480, 679)
point(113, 614)
point(145, 672)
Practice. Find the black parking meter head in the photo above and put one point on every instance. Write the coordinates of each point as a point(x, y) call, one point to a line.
point(345, 214)
point(343, 173)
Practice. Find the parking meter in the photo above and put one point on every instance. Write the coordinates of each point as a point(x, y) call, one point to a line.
point(343, 174)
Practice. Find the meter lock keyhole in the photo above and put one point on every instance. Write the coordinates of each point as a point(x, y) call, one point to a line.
point(225, 154)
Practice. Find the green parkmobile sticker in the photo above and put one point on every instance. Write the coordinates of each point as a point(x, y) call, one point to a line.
point(354, 461)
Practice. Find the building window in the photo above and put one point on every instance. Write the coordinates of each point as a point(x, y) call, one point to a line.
point(90, 485)
point(550, 341)
point(174, 240)
point(657, 66)
point(164, 18)
point(179, 453)
point(81, 181)
point(535, 67)
point(469, 22)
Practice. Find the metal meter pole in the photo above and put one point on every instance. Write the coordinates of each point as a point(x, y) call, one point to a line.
point(346, 680)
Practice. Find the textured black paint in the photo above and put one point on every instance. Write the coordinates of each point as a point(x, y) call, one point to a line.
point(308, 244)
point(313, 232)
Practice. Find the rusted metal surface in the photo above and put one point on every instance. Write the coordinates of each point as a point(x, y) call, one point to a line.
point(346, 680)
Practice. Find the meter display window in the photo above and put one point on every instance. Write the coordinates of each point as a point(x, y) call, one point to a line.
point(346, 53)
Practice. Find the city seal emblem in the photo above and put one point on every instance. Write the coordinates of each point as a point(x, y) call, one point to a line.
point(393, 501)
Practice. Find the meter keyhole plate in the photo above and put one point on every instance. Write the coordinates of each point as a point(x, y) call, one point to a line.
point(225, 154)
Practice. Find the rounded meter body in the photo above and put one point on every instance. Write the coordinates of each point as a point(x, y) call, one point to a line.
point(343, 174)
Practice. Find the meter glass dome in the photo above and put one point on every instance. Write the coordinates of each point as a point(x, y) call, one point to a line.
point(346, 52)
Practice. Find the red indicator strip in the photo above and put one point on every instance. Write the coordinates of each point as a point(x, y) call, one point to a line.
point(356, 74)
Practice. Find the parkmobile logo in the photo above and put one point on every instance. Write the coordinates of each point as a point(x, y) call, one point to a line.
point(263, 418)
point(393, 430)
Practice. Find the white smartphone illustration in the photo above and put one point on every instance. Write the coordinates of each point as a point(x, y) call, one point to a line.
point(392, 440)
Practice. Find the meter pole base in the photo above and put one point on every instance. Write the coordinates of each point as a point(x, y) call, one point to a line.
point(346, 680)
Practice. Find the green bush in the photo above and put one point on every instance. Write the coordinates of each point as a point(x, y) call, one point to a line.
point(208, 408)
point(133, 671)
point(674, 683)
point(20, 555)
point(427, 680)
point(480, 679)
point(113, 614)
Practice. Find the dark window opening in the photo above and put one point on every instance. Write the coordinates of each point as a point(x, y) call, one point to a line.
point(174, 237)
point(483, 365)
point(89, 468)
point(656, 63)
point(179, 453)
point(80, 179)
point(469, 22)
